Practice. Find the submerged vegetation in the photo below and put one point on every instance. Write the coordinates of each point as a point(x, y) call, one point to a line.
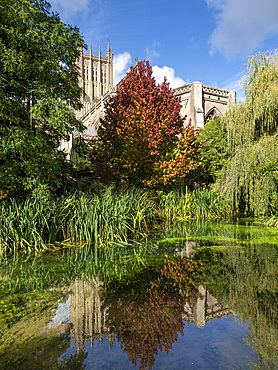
point(147, 297)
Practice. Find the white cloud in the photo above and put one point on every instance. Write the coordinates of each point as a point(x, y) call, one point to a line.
point(235, 83)
point(152, 52)
point(195, 41)
point(169, 73)
point(242, 25)
point(71, 7)
point(218, 4)
point(121, 65)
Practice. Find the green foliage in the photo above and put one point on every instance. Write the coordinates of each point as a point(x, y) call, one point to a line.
point(38, 85)
point(213, 152)
point(248, 122)
point(80, 156)
point(245, 182)
point(250, 179)
point(201, 204)
point(141, 139)
point(261, 87)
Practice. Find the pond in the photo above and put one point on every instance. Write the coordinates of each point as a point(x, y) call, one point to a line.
point(198, 296)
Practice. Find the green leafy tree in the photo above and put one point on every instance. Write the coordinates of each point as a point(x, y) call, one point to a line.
point(141, 139)
point(250, 179)
point(80, 156)
point(38, 89)
point(213, 153)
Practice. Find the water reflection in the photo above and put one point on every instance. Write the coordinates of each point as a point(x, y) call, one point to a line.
point(144, 322)
point(206, 309)
point(246, 278)
point(170, 306)
point(92, 318)
point(88, 314)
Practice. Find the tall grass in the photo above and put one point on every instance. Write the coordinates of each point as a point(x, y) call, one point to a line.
point(201, 204)
point(175, 206)
point(209, 204)
point(75, 220)
point(104, 216)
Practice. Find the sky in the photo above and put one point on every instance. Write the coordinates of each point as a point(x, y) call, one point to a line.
point(185, 40)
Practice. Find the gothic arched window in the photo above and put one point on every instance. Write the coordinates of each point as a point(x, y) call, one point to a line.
point(212, 114)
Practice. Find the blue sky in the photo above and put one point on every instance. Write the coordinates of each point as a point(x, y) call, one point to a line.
point(186, 40)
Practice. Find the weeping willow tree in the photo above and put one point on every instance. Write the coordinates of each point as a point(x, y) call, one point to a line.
point(250, 178)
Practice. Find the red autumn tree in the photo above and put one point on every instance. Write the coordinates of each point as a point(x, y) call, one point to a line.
point(141, 138)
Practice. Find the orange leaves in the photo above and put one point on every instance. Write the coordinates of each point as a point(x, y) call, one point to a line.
point(142, 132)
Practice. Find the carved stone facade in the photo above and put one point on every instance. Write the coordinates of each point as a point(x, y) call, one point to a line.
point(200, 103)
point(96, 80)
point(96, 77)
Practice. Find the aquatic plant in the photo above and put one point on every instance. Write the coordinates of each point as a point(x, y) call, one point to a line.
point(78, 219)
point(246, 279)
point(102, 216)
point(200, 204)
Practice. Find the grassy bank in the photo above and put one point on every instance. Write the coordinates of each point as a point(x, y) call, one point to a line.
point(103, 215)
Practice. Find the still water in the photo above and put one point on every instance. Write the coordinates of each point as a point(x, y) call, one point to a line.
point(198, 296)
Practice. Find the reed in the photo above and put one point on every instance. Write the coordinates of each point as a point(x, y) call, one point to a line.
point(209, 204)
point(175, 205)
point(102, 216)
point(201, 204)
point(78, 219)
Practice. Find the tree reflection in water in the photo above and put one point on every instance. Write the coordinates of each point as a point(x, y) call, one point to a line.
point(146, 310)
point(148, 316)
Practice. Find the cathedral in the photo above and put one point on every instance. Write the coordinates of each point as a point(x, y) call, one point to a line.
point(200, 103)
point(96, 77)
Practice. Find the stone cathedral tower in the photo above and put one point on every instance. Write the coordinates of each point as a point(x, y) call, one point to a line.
point(96, 76)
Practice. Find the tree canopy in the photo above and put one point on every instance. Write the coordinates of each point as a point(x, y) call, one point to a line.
point(141, 138)
point(213, 153)
point(38, 92)
point(250, 178)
